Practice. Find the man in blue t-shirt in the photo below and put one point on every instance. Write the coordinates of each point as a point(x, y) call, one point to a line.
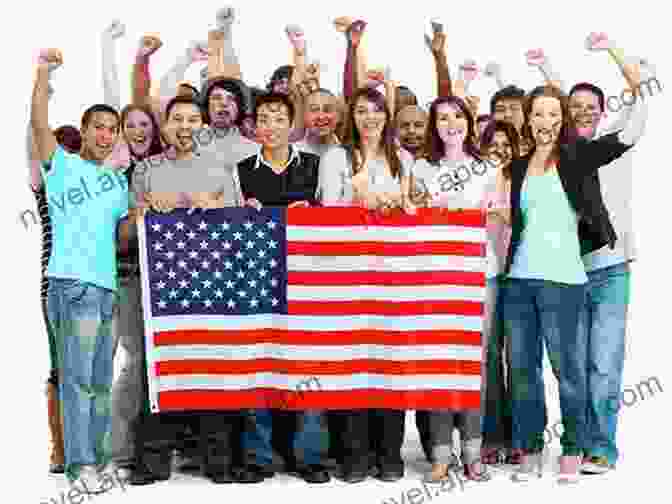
point(88, 208)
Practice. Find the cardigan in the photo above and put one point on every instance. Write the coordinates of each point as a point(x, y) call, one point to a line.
point(578, 171)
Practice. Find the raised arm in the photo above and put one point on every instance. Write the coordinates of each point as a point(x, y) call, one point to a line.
point(111, 89)
point(537, 58)
point(637, 72)
point(45, 141)
point(197, 51)
point(354, 76)
point(300, 84)
point(32, 152)
point(140, 79)
point(437, 45)
point(494, 70)
point(223, 61)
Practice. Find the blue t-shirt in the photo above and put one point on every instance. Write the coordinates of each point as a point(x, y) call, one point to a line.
point(549, 248)
point(86, 201)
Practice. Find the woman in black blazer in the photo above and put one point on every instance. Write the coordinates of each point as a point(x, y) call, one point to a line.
point(557, 216)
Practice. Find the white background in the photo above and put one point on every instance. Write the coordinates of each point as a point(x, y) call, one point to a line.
point(485, 31)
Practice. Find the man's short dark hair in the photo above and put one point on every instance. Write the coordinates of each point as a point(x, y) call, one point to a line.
point(234, 86)
point(100, 107)
point(184, 99)
point(193, 88)
point(274, 98)
point(283, 72)
point(507, 93)
point(587, 86)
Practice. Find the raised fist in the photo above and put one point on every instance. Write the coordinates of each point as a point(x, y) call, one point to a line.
point(535, 57)
point(296, 37)
point(225, 17)
point(198, 51)
point(469, 70)
point(50, 57)
point(115, 30)
point(598, 42)
point(149, 44)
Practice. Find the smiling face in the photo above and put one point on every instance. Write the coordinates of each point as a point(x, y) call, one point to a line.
point(584, 110)
point(321, 114)
point(510, 110)
point(222, 108)
point(273, 125)
point(411, 127)
point(545, 120)
point(138, 131)
point(500, 150)
point(451, 124)
point(369, 119)
point(99, 136)
point(183, 120)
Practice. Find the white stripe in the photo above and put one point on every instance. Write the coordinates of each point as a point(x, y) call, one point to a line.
point(385, 234)
point(319, 383)
point(319, 323)
point(387, 264)
point(386, 293)
point(338, 353)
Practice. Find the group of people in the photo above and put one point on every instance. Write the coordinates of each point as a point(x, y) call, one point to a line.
point(554, 189)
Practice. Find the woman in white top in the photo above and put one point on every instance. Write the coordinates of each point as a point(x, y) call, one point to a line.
point(453, 175)
point(367, 170)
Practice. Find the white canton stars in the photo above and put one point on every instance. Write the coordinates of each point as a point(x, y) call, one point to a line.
point(182, 280)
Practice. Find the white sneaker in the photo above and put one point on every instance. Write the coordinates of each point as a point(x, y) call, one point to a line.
point(115, 471)
point(89, 481)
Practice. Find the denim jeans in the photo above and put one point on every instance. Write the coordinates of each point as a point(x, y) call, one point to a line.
point(602, 324)
point(80, 315)
point(538, 312)
point(310, 443)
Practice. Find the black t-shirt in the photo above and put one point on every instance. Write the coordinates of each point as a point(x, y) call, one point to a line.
point(297, 183)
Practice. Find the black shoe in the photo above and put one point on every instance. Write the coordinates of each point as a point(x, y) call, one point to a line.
point(56, 468)
point(315, 474)
point(354, 476)
point(390, 474)
point(254, 474)
point(141, 475)
point(221, 476)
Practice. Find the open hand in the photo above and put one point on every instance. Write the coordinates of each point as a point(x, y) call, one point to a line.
point(535, 57)
point(115, 30)
point(53, 58)
point(598, 42)
point(149, 44)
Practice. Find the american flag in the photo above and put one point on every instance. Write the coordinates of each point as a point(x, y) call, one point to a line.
point(338, 307)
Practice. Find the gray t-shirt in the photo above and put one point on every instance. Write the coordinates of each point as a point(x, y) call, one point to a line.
point(228, 146)
point(205, 172)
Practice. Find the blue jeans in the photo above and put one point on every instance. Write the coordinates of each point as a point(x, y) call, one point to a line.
point(310, 443)
point(80, 315)
point(602, 324)
point(538, 311)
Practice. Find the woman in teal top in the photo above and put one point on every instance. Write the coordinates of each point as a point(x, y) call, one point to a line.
point(557, 216)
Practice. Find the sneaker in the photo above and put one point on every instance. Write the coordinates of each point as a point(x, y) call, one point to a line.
point(89, 481)
point(595, 465)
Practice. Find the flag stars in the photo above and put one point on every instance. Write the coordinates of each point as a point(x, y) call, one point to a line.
point(202, 226)
point(272, 263)
point(195, 274)
point(228, 265)
point(230, 284)
point(160, 284)
point(261, 254)
point(249, 245)
point(162, 304)
point(172, 274)
point(262, 273)
point(182, 264)
point(226, 226)
point(219, 294)
point(237, 236)
point(260, 234)
point(239, 255)
point(204, 245)
point(179, 226)
point(217, 274)
point(263, 292)
point(248, 225)
point(185, 303)
point(191, 235)
point(168, 235)
point(206, 284)
point(242, 294)
point(158, 246)
point(270, 224)
point(252, 283)
point(207, 303)
point(251, 264)
point(231, 304)
point(240, 274)
point(274, 302)
point(227, 245)
point(205, 264)
point(274, 282)
point(181, 245)
point(170, 255)
point(272, 244)
point(214, 235)
point(195, 293)
point(172, 294)
point(216, 255)
point(183, 284)
point(156, 227)
point(193, 254)
point(254, 303)
point(158, 266)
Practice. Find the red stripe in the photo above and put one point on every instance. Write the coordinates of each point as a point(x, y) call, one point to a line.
point(470, 278)
point(316, 368)
point(386, 249)
point(316, 338)
point(350, 399)
point(352, 216)
point(400, 308)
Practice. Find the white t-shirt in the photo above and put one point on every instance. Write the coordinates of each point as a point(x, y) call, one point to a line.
point(460, 184)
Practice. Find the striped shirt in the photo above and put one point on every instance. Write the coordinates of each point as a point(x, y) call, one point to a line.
point(45, 223)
